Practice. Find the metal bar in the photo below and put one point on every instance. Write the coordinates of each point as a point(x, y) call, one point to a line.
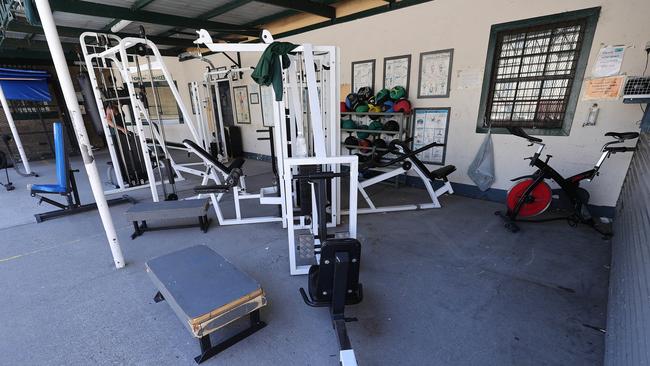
point(14, 132)
point(70, 96)
point(118, 12)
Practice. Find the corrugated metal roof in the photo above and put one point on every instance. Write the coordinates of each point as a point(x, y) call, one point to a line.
point(151, 29)
point(248, 13)
point(185, 8)
point(80, 21)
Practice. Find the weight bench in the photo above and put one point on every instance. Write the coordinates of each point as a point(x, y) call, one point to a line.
point(65, 186)
point(207, 293)
point(142, 212)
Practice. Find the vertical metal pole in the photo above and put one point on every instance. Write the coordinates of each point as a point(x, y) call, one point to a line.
point(52, 36)
point(14, 132)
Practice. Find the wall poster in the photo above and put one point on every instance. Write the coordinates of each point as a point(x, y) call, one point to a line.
point(363, 74)
point(397, 70)
point(435, 74)
point(431, 125)
point(242, 109)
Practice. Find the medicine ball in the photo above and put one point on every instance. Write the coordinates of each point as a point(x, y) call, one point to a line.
point(362, 135)
point(374, 108)
point(365, 145)
point(348, 123)
point(362, 108)
point(351, 142)
point(380, 147)
point(344, 108)
point(382, 96)
point(351, 101)
point(391, 125)
point(402, 105)
point(365, 93)
point(376, 125)
point(397, 93)
point(388, 106)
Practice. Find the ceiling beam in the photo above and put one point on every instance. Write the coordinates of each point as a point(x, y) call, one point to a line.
point(76, 32)
point(305, 6)
point(117, 12)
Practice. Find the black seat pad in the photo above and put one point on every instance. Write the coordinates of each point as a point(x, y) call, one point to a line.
point(237, 163)
point(623, 135)
point(442, 173)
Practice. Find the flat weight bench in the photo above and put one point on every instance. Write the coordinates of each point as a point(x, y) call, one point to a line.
point(141, 212)
point(207, 293)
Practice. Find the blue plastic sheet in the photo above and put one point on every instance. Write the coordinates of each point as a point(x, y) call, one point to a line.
point(25, 85)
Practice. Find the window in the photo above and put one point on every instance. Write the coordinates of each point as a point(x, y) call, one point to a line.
point(534, 71)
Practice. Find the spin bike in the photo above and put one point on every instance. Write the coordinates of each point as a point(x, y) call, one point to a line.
point(531, 195)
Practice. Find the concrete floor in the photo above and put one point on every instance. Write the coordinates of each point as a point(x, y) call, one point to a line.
point(442, 287)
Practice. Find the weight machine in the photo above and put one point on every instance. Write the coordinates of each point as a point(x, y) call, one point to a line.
point(107, 57)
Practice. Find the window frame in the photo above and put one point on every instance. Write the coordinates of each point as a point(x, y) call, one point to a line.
point(590, 18)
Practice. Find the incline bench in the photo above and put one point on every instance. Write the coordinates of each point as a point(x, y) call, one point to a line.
point(207, 293)
point(165, 210)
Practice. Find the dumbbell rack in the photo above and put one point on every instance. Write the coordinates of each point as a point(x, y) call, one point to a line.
point(403, 120)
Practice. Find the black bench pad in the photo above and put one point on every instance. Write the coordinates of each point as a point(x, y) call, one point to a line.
point(167, 210)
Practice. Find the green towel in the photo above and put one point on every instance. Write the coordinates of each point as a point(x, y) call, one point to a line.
point(269, 69)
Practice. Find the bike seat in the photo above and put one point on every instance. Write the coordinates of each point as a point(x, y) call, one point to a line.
point(623, 135)
point(518, 131)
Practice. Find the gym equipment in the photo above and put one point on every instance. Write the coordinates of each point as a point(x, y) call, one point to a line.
point(352, 101)
point(362, 108)
point(531, 195)
point(380, 147)
point(364, 145)
point(334, 281)
point(351, 142)
point(166, 210)
point(374, 108)
point(407, 159)
point(397, 93)
point(360, 134)
point(365, 93)
point(382, 96)
point(391, 125)
point(388, 106)
point(207, 293)
point(4, 164)
point(9, 158)
point(65, 186)
point(402, 105)
point(376, 125)
point(344, 108)
point(348, 124)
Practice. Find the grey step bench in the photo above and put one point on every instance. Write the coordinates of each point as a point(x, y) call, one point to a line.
point(207, 293)
point(166, 210)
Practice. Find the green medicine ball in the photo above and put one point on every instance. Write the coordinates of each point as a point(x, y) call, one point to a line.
point(362, 108)
point(397, 93)
point(348, 124)
point(382, 96)
point(362, 135)
point(376, 125)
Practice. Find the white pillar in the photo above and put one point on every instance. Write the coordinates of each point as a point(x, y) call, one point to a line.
point(52, 36)
point(14, 132)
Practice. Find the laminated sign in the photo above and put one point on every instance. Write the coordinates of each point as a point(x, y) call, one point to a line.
point(603, 88)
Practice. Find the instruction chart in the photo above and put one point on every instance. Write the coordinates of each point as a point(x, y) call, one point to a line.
point(431, 125)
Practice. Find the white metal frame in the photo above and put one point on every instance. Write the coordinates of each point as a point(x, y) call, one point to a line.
point(333, 164)
point(140, 113)
point(14, 132)
point(67, 88)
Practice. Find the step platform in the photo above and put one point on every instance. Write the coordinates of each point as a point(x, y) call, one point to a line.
point(140, 213)
point(207, 293)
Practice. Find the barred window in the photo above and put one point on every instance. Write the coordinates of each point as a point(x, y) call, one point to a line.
point(532, 75)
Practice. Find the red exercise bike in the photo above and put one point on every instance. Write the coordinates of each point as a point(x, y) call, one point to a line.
point(531, 195)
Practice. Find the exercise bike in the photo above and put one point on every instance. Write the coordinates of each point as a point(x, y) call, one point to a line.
point(531, 195)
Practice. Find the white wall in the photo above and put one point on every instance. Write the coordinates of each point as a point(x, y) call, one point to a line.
point(464, 25)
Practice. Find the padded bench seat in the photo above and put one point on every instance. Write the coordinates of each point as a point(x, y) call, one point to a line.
point(207, 293)
point(166, 210)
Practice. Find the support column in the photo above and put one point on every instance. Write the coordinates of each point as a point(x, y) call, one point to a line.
point(14, 132)
point(63, 73)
